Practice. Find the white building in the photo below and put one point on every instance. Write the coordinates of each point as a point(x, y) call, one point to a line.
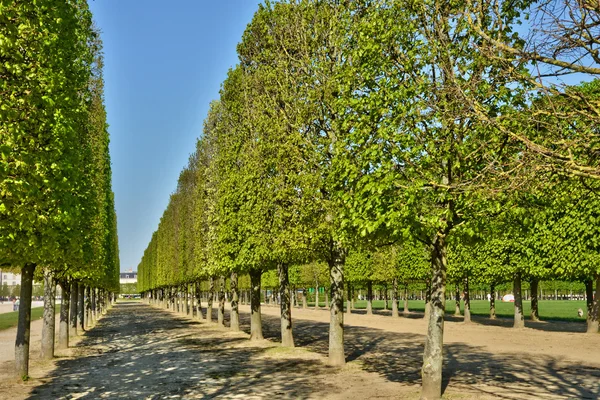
point(128, 277)
point(9, 278)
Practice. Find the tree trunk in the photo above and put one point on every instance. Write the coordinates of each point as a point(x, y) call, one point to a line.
point(287, 337)
point(535, 314)
point(369, 298)
point(221, 311)
point(63, 326)
point(94, 316)
point(234, 318)
point(427, 301)
point(593, 306)
point(74, 303)
point(304, 305)
point(24, 324)
point(316, 296)
point(211, 289)
point(88, 307)
point(49, 318)
point(198, 294)
point(406, 310)
point(336, 322)
point(186, 294)
point(519, 318)
point(81, 307)
point(457, 301)
point(348, 301)
point(255, 318)
point(395, 298)
point(433, 353)
point(467, 301)
point(492, 301)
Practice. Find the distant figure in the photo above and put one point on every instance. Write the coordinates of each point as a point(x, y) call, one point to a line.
point(580, 313)
point(489, 297)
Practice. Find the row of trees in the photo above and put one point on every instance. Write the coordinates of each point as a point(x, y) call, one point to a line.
point(57, 217)
point(393, 141)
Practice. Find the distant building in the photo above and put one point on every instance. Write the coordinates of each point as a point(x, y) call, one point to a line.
point(10, 279)
point(128, 277)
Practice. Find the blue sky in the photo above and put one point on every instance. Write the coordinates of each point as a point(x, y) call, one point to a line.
point(164, 63)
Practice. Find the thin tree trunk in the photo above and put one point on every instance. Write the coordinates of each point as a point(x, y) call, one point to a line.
point(433, 353)
point(63, 326)
point(385, 298)
point(81, 307)
point(211, 289)
point(348, 301)
point(94, 316)
point(406, 310)
point(336, 323)
point(395, 298)
point(369, 298)
point(198, 301)
point(74, 304)
point(457, 301)
point(88, 306)
point(221, 311)
point(287, 337)
point(519, 318)
point(24, 324)
point(467, 301)
point(304, 305)
point(234, 323)
point(186, 307)
point(493, 301)
point(255, 318)
point(49, 318)
point(317, 296)
point(593, 317)
point(535, 313)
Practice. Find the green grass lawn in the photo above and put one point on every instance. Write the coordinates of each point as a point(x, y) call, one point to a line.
point(561, 310)
point(10, 319)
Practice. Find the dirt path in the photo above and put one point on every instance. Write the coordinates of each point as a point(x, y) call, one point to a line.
point(141, 352)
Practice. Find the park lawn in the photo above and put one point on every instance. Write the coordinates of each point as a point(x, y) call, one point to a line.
point(10, 319)
point(562, 310)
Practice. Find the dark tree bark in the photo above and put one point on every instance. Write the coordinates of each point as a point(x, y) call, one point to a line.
point(74, 304)
point(519, 318)
point(349, 301)
point(336, 322)
point(81, 307)
point(24, 324)
point(467, 301)
point(221, 311)
point(287, 337)
point(395, 298)
point(316, 296)
point(457, 301)
point(255, 318)
point(88, 307)
point(593, 307)
point(94, 316)
point(63, 326)
point(209, 302)
point(535, 313)
point(369, 298)
point(234, 323)
point(492, 301)
point(198, 293)
point(433, 353)
point(49, 318)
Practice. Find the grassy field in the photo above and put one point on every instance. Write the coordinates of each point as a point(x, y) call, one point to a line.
point(10, 319)
point(560, 310)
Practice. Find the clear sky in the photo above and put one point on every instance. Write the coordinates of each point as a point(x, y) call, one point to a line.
point(164, 63)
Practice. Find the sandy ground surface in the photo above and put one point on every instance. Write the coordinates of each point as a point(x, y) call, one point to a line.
point(141, 352)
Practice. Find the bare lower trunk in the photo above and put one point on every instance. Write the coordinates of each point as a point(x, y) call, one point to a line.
point(492, 301)
point(94, 316)
point(234, 323)
point(336, 323)
point(88, 307)
point(433, 353)
point(287, 337)
point(348, 301)
point(63, 326)
point(594, 309)
point(457, 301)
point(304, 305)
point(209, 302)
point(467, 301)
point(255, 318)
point(49, 319)
point(187, 308)
point(519, 318)
point(221, 311)
point(395, 298)
point(24, 324)
point(198, 294)
point(73, 316)
point(317, 296)
point(81, 307)
point(406, 310)
point(369, 298)
point(535, 313)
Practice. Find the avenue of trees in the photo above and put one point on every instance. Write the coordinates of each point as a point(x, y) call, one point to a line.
point(57, 217)
point(382, 143)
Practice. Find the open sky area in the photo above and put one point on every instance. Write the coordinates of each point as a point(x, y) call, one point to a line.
point(165, 62)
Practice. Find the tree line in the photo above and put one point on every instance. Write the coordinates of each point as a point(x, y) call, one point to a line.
point(385, 141)
point(57, 216)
